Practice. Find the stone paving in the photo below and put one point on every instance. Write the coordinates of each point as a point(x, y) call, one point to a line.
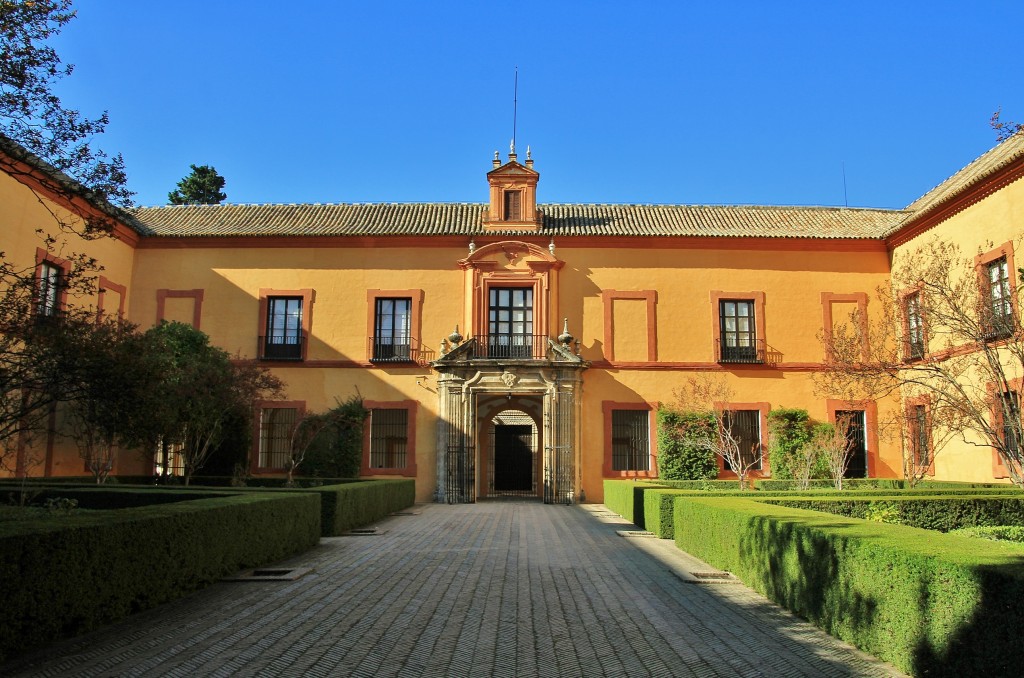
point(491, 589)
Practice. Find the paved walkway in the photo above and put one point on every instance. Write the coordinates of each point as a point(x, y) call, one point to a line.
point(502, 589)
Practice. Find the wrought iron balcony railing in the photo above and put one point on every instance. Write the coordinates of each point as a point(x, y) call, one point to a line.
point(393, 350)
point(514, 346)
point(751, 354)
point(282, 346)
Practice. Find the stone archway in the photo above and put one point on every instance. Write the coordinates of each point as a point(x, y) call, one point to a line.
point(472, 390)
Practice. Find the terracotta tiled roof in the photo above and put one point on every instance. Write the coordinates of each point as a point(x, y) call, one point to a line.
point(995, 159)
point(390, 219)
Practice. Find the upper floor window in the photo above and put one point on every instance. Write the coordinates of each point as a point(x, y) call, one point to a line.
point(284, 337)
point(513, 206)
point(50, 283)
point(738, 333)
point(1000, 303)
point(745, 428)
point(392, 329)
point(510, 323)
point(914, 326)
point(631, 444)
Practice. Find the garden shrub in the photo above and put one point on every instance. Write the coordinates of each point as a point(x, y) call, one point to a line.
point(678, 457)
point(789, 430)
point(1010, 533)
point(931, 604)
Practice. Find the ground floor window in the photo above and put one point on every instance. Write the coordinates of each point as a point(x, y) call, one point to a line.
point(276, 426)
point(745, 428)
point(631, 443)
point(389, 438)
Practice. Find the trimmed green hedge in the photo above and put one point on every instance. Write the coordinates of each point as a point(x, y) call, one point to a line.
point(64, 575)
point(932, 604)
point(626, 497)
point(354, 504)
point(935, 512)
point(345, 505)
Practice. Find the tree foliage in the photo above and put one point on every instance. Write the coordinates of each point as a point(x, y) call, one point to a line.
point(791, 457)
point(110, 398)
point(202, 389)
point(201, 187)
point(681, 454)
point(704, 393)
point(969, 372)
point(32, 114)
point(329, 444)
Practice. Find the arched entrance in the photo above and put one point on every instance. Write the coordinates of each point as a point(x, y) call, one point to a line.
point(511, 451)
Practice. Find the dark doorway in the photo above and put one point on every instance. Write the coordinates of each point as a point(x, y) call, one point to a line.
point(856, 440)
point(513, 459)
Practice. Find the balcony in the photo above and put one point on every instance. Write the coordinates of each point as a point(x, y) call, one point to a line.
point(282, 346)
point(393, 350)
point(753, 354)
point(512, 346)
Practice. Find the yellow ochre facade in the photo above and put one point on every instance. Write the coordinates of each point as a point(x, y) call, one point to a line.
point(513, 347)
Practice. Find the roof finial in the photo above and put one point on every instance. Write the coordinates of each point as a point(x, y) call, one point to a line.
point(528, 152)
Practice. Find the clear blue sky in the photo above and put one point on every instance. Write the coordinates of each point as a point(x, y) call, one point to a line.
point(635, 102)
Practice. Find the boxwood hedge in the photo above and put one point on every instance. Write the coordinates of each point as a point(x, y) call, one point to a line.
point(932, 604)
point(64, 574)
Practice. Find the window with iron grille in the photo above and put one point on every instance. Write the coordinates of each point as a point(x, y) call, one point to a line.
point(919, 426)
point(513, 205)
point(50, 281)
point(745, 428)
point(283, 338)
point(276, 427)
point(510, 324)
point(391, 333)
point(1000, 302)
point(915, 326)
point(389, 437)
point(739, 339)
point(631, 446)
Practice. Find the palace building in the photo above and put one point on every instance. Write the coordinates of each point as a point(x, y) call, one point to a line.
point(513, 347)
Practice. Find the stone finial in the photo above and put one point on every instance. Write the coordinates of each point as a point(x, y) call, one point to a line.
point(472, 246)
point(497, 160)
point(551, 247)
point(565, 339)
point(444, 346)
point(455, 337)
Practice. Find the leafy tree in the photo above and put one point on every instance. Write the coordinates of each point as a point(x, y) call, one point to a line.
point(31, 113)
point(41, 137)
point(111, 380)
point(38, 354)
point(330, 444)
point(680, 453)
point(201, 187)
point(202, 390)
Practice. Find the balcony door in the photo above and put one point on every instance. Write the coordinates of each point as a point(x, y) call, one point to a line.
point(510, 324)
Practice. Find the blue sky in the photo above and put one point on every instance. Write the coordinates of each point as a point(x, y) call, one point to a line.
point(621, 102)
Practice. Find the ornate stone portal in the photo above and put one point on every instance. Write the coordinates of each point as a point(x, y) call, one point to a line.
point(471, 388)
